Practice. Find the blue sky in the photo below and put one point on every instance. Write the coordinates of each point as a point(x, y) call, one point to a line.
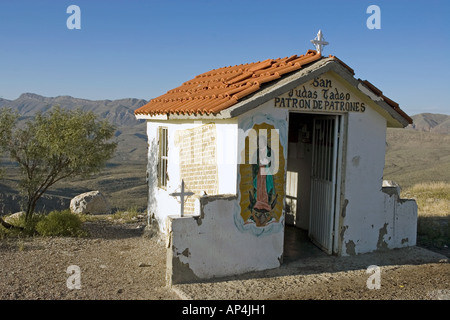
point(142, 49)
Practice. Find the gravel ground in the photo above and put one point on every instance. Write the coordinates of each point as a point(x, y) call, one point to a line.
point(117, 262)
point(405, 274)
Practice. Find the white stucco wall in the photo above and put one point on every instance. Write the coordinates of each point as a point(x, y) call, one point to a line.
point(219, 242)
point(212, 246)
point(227, 142)
point(160, 203)
point(363, 178)
point(371, 219)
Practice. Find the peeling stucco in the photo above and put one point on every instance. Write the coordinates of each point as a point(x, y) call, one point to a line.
point(199, 218)
point(205, 200)
point(350, 248)
point(186, 252)
point(181, 272)
point(381, 244)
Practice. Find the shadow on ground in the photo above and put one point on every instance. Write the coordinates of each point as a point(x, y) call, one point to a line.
point(110, 230)
point(302, 257)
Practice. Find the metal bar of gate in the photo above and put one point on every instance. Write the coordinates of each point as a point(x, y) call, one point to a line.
point(323, 180)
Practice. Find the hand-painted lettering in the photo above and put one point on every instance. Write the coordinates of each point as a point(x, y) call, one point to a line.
point(320, 95)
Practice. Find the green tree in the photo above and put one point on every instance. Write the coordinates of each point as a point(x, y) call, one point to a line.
point(7, 120)
point(56, 145)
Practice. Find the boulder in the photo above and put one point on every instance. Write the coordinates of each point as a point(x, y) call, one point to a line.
point(14, 217)
point(93, 202)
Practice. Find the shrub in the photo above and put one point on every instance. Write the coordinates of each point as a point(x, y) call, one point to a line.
point(60, 223)
point(25, 228)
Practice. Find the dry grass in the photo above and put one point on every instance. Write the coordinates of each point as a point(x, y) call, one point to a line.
point(122, 216)
point(433, 198)
point(433, 202)
point(415, 157)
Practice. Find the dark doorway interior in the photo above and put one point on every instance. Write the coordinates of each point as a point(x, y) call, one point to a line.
point(298, 175)
point(297, 242)
point(310, 184)
point(298, 246)
point(298, 184)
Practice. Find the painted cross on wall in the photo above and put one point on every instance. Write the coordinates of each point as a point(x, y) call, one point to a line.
point(182, 194)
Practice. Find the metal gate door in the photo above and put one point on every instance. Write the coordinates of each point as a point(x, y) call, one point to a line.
point(323, 181)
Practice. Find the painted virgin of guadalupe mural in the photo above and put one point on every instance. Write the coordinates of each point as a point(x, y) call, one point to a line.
point(262, 178)
point(262, 197)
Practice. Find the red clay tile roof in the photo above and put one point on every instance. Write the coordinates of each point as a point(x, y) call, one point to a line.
point(218, 89)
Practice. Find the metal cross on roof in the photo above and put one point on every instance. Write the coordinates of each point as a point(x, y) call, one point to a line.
point(182, 194)
point(319, 42)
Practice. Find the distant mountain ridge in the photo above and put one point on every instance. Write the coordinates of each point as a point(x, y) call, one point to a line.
point(119, 112)
point(130, 133)
point(431, 122)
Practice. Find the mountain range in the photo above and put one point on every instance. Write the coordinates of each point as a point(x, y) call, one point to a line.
point(431, 122)
point(130, 133)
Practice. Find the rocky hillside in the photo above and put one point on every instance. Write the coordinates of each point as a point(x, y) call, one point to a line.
point(431, 122)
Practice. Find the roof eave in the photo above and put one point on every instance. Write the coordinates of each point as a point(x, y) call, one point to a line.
point(142, 116)
point(274, 89)
point(401, 119)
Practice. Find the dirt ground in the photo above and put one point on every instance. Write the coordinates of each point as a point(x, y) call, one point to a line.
point(116, 262)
